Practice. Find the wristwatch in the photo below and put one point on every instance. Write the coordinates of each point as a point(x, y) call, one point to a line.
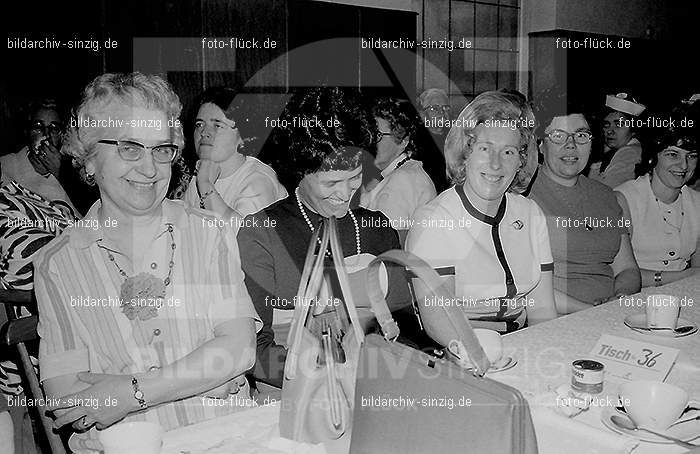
point(138, 394)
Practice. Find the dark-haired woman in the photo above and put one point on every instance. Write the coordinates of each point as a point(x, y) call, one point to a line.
point(404, 185)
point(593, 260)
point(622, 150)
point(320, 165)
point(665, 213)
point(228, 181)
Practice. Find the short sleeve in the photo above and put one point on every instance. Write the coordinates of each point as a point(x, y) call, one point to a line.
point(229, 298)
point(258, 192)
point(540, 238)
point(62, 351)
point(429, 237)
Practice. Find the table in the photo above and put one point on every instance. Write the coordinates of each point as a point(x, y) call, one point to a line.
point(544, 353)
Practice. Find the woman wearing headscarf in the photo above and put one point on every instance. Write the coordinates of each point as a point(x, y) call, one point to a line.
point(490, 243)
point(665, 213)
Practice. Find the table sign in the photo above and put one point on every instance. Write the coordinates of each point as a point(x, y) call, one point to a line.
point(628, 359)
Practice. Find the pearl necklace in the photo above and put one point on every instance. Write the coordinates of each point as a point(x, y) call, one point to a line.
point(311, 226)
point(661, 210)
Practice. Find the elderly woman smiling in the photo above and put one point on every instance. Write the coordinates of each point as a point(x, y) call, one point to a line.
point(169, 318)
point(490, 243)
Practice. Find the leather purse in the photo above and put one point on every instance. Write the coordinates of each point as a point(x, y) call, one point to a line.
point(408, 401)
point(324, 339)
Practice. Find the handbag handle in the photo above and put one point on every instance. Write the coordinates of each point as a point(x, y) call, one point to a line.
point(343, 280)
point(461, 328)
point(309, 285)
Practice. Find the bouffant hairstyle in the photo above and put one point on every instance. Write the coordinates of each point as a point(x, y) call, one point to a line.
point(503, 106)
point(320, 129)
point(402, 119)
point(101, 101)
point(557, 103)
point(678, 134)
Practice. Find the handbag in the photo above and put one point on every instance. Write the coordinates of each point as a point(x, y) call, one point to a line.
point(324, 339)
point(407, 401)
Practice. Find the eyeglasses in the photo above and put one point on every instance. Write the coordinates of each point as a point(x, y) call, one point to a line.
point(560, 137)
point(52, 128)
point(130, 150)
point(438, 108)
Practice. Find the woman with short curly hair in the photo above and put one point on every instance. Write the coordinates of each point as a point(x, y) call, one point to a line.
point(142, 301)
point(322, 135)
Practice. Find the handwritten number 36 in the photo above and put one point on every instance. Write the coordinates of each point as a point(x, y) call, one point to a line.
point(649, 359)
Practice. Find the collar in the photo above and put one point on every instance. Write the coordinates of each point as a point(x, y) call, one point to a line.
point(394, 164)
point(474, 212)
point(83, 234)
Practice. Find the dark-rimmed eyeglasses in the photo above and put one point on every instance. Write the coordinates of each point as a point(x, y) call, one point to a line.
point(130, 150)
point(560, 137)
point(41, 128)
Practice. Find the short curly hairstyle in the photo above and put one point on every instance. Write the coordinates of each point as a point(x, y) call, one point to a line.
point(320, 129)
point(509, 107)
point(676, 135)
point(98, 103)
point(402, 119)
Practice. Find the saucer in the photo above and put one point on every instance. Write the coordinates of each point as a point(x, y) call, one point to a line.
point(638, 323)
point(505, 363)
point(686, 431)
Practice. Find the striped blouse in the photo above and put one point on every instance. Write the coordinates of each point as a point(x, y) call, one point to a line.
point(81, 324)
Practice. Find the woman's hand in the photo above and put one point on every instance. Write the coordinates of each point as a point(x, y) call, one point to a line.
point(50, 157)
point(207, 174)
point(108, 400)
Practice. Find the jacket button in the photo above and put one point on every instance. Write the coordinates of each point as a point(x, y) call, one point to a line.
point(156, 332)
point(671, 253)
point(665, 262)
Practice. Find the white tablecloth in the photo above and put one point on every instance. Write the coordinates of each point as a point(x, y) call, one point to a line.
point(544, 353)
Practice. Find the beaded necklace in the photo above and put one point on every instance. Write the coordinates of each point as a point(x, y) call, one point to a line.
point(661, 210)
point(141, 295)
point(311, 226)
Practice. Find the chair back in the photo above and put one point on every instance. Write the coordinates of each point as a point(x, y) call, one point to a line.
point(15, 333)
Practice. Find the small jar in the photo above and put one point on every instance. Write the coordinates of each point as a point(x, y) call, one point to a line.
point(587, 376)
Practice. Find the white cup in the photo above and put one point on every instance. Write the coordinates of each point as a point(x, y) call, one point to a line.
point(491, 342)
point(653, 404)
point(136, 437)
point(662, 311)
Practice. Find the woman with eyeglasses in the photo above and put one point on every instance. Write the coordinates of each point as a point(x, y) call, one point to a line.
point(38, 165)
point(142, 304)
point(228, 181)
point(665, 213)
point(489, 243)
point(593, 260)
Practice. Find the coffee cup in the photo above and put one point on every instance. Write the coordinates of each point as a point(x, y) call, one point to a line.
point(652, 404)
point(662, 311)
point(135, 437)
point(491, 342)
